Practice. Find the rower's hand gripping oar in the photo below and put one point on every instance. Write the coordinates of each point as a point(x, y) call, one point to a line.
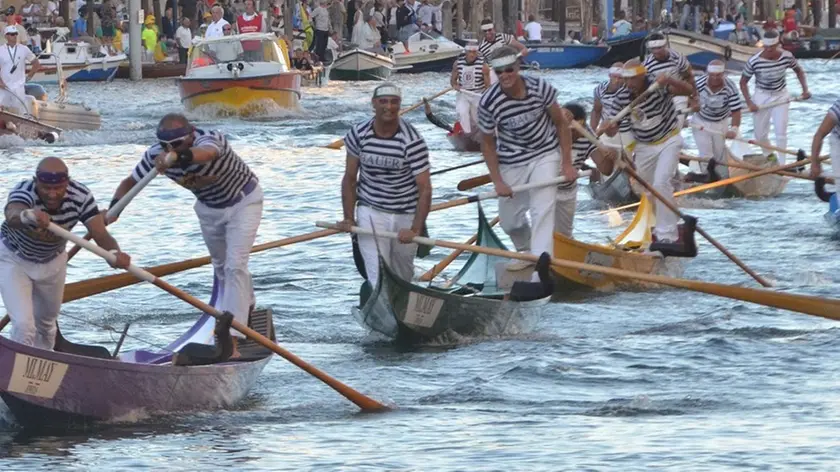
point(118, 207)
point(810, 305)
point(629, 169)
point(364, 402)
point(626, 110)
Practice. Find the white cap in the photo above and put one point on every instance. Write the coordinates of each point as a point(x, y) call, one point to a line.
point(472, 45)
point(11, 29)
point(387, 90)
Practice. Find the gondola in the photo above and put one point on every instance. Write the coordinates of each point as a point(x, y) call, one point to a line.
point(460, 141)
point(623, 48)
point(75, 386)
point(473, 303)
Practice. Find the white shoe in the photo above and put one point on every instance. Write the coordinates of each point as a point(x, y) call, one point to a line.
point(517, 264)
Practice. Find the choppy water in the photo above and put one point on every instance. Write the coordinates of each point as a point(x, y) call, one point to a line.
point(627, 380)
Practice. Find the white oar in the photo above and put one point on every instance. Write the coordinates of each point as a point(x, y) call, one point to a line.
point(517, 189)
point(364, 402)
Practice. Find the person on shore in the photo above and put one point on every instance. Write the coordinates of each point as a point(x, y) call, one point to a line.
point(13, 74)
point(183, 37)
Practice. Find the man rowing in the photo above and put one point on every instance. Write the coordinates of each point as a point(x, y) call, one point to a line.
point(525, 139)
point(229, 203)
point(582, 149)
point(605, 107)
point(33, 263)
point(491, 41)
point(830, 127)
point(664, 60)
point(386, 185)
point(717, 110)
point(657, 133)
point(768, 67)
point(470, 77)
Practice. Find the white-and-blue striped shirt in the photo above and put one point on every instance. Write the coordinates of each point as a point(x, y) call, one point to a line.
point(523, 128)
point(41, 245)
point(216, 183)
point(717, 106)
point(770, 74)
point(652, 119)
point(388, 167)
point(835, 112)
point(676, 65)
point(470, 76)
point(609, 107)
point(582, 150)
point(485, 48)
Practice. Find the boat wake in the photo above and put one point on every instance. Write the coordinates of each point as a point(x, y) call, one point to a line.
point(261, 110)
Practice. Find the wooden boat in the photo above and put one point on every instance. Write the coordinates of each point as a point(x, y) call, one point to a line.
point(623, 48)
point(156, 70)
point(243, 73)
point(75, 385)
point(27, 127)
point(409, 313)
point(456, 136)
point(626, 253)
point(770, 185)
point(319, 76)
point(426, 53)
point(701, 49)
point(614, 190)
point(358, 64)
point(563, 56)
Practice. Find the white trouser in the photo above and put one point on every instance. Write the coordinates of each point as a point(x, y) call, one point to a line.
point(834, 152)
point(539, 203)
point(761, 120)
point(398, 256)
point(680, 103)
point(622, 138)
point(711, 143)
point(229, 234)
point(466, 105)
point(13, 97)
point(564, 210)
point(657, 164)
point(32, 294)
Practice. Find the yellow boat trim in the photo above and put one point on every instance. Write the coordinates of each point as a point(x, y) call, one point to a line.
point(243, 97)
point(638, 233)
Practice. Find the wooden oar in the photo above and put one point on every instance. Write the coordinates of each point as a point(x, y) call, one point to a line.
point(671, 206)
point(767, 106)
point(832, 57)
point(362, 401)
point(443, 264)
point(807, 304)
point(769, 147)
point(473, 182)
point(741, 165)
point(340, 143)
point(519, 188)
point(468, 164)
point(626, 110)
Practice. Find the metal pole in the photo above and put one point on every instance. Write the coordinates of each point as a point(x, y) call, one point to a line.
point(609, 17)
point(135, 48)
point(459, 23)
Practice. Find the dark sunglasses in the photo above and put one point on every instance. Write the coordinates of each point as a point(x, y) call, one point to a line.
point(11, 34)
point(389, 101)
point(174, 144)
point(508, 70)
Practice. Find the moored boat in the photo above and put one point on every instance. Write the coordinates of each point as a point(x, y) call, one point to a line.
point(701, 49)
point(477, 305)
point(242, 73)
point(76, 385)
point(563, 56)
point(81, 61)
point(358, 64)
point(425, 53)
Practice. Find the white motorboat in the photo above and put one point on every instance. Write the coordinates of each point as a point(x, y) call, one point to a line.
point(358, 64)
point(82, 61)
point(426, 53)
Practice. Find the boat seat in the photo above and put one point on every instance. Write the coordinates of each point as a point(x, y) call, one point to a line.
point(63, 345)
point(262, 322)
point(203, 354)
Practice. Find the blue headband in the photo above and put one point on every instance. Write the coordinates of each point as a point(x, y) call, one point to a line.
point(169, 135)
point(52, 177)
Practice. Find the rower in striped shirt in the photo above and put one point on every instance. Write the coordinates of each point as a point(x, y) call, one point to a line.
point(654, 125)
point(33, 263)
point(229, 204)
point(830, 127)
point(526, 139)
point(470, 77)
point(386, 185)
point(715, 102)
point(605, 107)
point(582, 149)
point(664, 60)
point(491, 41)
point(769, 67)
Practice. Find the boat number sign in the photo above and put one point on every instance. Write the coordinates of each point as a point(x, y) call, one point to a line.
point(35, 376)
point(599, 259)
point(422, 310)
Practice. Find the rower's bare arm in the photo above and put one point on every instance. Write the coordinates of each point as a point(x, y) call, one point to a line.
point(348, 189)
point(803, 81)
point(424, 201)
point(127, 184)
point(97, 230)
point(485, 71)
point(828, 123)
point(745, 91)
point(520, 47)
point(595, 116)
point(488, 150)
point(36, 66)
point(688, 77)
point(13, 211)
point(736, 119)
point(604, 161)
point(453, 78)
point(204, 154)
point(561, 119)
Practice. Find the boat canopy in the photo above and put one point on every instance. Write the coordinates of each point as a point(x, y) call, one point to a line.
point(249, 48)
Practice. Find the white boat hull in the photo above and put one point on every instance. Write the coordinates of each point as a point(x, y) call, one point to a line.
point(361, 65)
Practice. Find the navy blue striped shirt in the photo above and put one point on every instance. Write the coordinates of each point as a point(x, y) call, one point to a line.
point(609, 104)
point(388, 167)
point(582, 150)
point(654, 117)
point(717, 106)
point(835, 112)
point(41, 245)
point(770, 74)
point(676, 65)
point(524, 129)
point(215, 183)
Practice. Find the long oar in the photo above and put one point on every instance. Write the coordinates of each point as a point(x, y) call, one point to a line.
point(626, 110)
point(671, 206)
point(769, 147)
point(449, 169)
point(742, 165)
point(473, 182)
point(364, 402)
point(340, 143)
point(767, 106)
point(519, 188)
point(807, 304)
point(443, 264)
